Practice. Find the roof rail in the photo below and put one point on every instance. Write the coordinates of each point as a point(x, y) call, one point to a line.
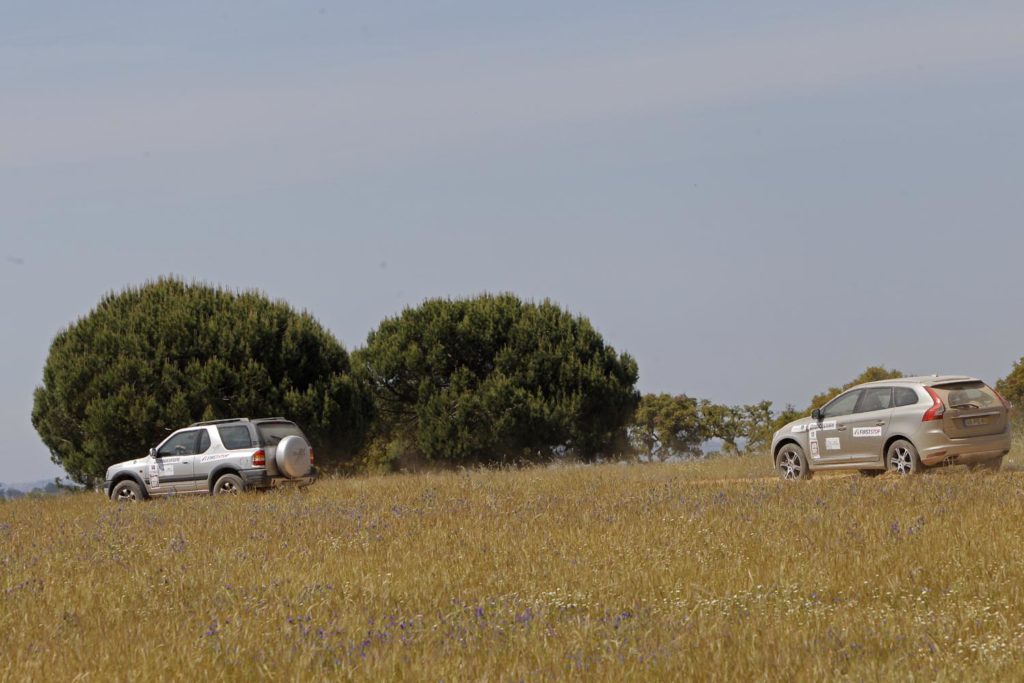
point(219, 422)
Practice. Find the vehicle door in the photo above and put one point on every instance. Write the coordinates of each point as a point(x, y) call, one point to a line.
point(185, 475)
point(826, 436)
point(168, 473)
point(867, 428)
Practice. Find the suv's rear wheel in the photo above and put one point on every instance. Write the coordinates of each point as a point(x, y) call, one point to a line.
point(228, 484)
point(902, 459)
point(792, 463)
point(126, 491)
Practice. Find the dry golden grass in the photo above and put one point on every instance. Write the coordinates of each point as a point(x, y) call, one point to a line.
point(707, 571)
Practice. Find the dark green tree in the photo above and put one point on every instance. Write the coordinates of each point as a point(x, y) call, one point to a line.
point(158, 357)
point(666, 425)
point(493, 378)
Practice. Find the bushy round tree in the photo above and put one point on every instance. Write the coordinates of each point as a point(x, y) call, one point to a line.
point(494, 378)
point(158, 357)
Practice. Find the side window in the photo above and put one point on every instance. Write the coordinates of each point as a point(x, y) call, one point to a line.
point(842, 405)
point(204, 441)
point(235, 437)
point(905, 396)
point(183, 443)
point(875, 398)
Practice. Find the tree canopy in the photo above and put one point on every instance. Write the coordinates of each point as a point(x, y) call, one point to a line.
point(158, 357)
point(1012, 386)
point(493, 378)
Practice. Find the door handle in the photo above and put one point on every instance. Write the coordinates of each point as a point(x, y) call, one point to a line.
point(880, 423)
point(841, 428)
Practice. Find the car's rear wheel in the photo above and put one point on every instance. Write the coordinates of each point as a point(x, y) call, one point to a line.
point(126, 491)
point(993, 465)
point(228, 484)
point(792, 463)
point(902, 458)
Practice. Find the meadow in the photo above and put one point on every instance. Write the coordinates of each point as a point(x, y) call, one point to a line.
point(709, 570)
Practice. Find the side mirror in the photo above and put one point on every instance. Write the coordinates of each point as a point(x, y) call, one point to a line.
point(816, 414)
point(152, 452)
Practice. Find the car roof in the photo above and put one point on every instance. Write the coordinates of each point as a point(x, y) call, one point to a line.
point(238, 419)
point(925, 380)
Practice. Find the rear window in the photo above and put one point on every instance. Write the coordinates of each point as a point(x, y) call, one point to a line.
point(235, 438)
point(271, 433)
point(905, 396)
point(967, 395)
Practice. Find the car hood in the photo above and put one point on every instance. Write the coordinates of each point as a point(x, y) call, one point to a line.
point(795, 427)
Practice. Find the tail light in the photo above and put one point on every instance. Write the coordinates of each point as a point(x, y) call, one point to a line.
point(937, 410)
point(1006, 404)
point(259, 459)
point(311, 456)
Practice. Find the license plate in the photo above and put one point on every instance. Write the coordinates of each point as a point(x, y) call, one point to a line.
point(975, 421)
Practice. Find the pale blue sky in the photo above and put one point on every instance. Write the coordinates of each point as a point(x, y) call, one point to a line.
point(756, 200)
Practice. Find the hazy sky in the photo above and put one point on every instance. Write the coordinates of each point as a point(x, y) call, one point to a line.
point(756, 200)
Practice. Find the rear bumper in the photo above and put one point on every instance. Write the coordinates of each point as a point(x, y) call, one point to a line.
point(938, 449)
point(259, 479)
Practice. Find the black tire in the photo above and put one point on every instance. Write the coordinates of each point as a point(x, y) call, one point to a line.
point(228, 484)
point(871, 473)
point(126, 491)
point(792, 463)
point(901, 458)
point(993, 465)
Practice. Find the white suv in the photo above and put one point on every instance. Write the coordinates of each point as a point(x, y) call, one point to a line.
point(222, 456)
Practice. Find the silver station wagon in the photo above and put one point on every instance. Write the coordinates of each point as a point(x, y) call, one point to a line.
point(901, 425)
point(222, 456)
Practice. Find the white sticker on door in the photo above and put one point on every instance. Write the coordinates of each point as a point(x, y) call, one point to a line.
point(828, 426)
point(832, 444)
point(866, 431)
point(814, 450)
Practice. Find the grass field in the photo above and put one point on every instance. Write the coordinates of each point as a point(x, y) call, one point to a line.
point(707, 571)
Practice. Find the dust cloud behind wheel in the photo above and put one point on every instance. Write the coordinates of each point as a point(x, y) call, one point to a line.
point(292, 457)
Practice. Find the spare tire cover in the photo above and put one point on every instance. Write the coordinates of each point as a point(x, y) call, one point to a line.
point(292, 457)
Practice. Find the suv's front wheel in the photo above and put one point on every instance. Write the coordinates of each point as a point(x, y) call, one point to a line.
point(228, 484)
point(126, 491)
point(902, 459)
point(792, 463)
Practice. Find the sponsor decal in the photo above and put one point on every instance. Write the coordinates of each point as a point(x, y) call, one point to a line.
point(832, 444)
point(214, 456)
point(166, 469)
point(814, 450)
point(797, 429)
point(828, 426)
point(152, 469)
point(154, 480)
point(859, 432)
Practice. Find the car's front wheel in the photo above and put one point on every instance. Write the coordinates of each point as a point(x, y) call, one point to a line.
point(126, 491)
point(902, 459)
point(228, 484)
point(792, 463)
